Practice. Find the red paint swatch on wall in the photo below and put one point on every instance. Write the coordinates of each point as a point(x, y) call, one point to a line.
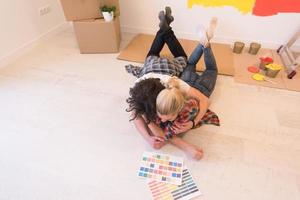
point(273, 7)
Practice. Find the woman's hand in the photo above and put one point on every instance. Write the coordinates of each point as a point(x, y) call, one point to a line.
point(156, 142)
point(183, 127)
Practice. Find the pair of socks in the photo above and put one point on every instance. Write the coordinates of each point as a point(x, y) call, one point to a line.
point(205, 35)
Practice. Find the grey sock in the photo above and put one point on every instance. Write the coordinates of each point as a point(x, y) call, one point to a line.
point(163, 22)
point(169, 17)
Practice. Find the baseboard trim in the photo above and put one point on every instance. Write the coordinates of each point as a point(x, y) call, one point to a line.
point(223, 40)
point(16, 53)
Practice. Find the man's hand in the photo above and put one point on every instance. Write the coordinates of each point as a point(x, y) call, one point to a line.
point(183, 127)
point(156, 142)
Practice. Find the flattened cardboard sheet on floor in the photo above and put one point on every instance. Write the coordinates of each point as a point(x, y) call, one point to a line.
point(139, 46)
point(242, 75)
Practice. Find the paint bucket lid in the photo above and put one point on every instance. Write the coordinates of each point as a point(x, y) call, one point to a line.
point(274, 67)
point(266, 59)
point(253, 69)
point(258, 77)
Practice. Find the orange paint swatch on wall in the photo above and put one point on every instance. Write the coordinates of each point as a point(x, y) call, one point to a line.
point(273, 7)
point(256, 7)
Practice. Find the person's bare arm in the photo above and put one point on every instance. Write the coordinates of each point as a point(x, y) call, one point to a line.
point(155, 141)
point(182, 127)
point(194, 151)
point(142, 127)
point(156, 130)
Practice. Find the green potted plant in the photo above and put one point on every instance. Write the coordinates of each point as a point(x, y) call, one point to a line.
point(108, 12)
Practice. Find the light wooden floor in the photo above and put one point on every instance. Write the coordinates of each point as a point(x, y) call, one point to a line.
point(65, 133)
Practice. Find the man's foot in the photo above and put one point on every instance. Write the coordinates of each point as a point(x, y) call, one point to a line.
point(195, 152)
point(169, 17)
point(163, 22)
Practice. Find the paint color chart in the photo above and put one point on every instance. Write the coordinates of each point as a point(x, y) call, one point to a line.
point(187, 190)
point(161, 167)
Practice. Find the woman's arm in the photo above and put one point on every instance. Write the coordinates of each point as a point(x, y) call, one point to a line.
point(141, 126)
point(192, 150)
point(203, 103)
point(155, 141)
point(156, 130)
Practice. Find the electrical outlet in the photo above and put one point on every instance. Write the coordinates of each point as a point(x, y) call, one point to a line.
point(44, 10)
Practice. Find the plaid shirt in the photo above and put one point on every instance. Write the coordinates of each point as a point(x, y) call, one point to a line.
point(159, 65)
point(189, 112)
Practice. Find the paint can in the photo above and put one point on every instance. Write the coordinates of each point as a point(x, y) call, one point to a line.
point(272, 70)
point(265, 61)
point(254, 48)
point(238, 47)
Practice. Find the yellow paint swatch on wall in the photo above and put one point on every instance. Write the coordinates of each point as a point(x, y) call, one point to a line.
point(245, 6)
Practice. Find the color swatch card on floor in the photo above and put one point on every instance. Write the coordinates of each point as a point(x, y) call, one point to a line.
point(187, 190)
point(161, 167)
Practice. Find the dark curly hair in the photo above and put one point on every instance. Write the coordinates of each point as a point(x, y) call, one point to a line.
point(142, 98)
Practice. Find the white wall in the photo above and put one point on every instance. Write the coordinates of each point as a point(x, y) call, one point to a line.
point(21, 24)
point(272, 31)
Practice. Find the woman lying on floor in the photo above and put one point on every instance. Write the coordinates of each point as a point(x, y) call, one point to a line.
point(163, 105)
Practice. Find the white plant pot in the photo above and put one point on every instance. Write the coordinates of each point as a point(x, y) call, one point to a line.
point(108, 16)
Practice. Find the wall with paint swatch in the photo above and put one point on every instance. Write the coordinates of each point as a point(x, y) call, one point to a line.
point(270, 22)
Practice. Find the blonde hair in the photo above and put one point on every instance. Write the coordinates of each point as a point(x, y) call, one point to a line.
point(171, 99)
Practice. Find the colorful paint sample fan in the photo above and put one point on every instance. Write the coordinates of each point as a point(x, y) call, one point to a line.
point(161, 167)
point(187, 190)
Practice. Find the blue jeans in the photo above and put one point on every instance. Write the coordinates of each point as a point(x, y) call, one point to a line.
point(205, 82)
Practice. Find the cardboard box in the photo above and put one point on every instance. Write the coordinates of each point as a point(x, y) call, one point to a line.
point(86, 9)
point(98, 36)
